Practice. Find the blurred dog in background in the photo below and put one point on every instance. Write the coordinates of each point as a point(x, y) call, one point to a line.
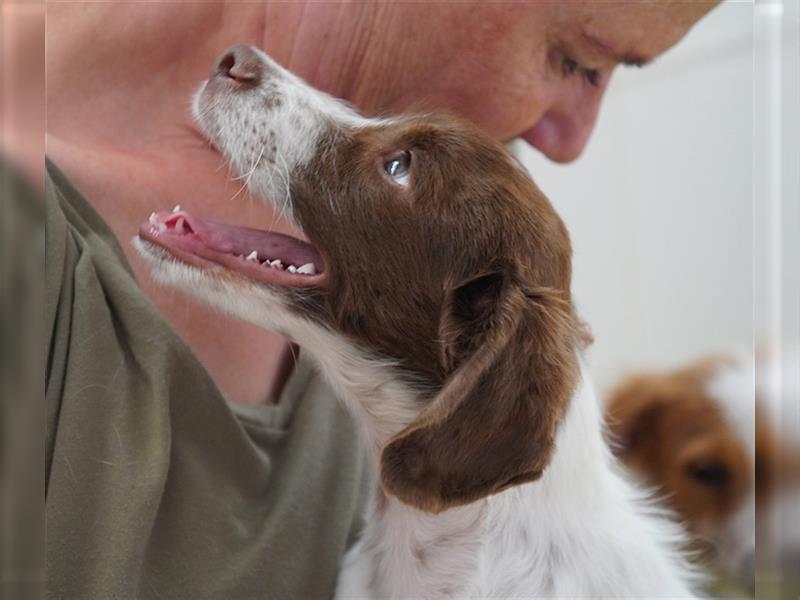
point(709, 437)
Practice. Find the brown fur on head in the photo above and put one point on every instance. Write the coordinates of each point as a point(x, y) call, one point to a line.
point(465, 278)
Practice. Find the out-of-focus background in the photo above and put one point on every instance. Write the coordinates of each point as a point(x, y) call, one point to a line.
point(684, 213)
point(669, 207)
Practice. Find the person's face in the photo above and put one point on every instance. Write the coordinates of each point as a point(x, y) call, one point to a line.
point(534, 69)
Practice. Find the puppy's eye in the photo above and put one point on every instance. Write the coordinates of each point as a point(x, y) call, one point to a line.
point(398, 167)
point(710, 474)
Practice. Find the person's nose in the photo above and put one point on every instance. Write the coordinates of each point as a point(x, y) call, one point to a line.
point(240, 63)
point(564, 128)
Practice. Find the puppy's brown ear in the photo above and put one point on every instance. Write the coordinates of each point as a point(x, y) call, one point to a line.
point(632, 415)
point(511, 356)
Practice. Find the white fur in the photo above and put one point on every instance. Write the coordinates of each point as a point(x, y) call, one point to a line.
point(778, 384)
point(283, 111)
point(733, 389)
point(774, 375)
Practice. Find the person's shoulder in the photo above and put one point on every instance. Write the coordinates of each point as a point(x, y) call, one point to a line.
point(68, 207)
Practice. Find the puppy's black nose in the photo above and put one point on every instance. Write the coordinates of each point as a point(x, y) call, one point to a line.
point(240, 63)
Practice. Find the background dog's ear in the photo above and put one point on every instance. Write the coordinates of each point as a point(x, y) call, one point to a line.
point(632, 415)
point(511, 358)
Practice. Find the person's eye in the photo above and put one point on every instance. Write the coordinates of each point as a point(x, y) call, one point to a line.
point(398, 168)
point(569, 67)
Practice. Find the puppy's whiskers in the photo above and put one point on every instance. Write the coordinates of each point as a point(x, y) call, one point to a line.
point(284, 174)
point(247, 176)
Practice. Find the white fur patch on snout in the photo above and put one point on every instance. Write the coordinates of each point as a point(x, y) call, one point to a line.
point(270, 132)
point(248, 300)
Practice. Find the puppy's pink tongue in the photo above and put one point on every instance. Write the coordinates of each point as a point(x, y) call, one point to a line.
point(265, 256)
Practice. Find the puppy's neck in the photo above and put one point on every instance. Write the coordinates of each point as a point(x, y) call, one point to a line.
point(369, 386)
point(383, 405)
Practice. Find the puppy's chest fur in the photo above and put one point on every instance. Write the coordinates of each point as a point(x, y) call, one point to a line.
point(479, 551)
point(582, 530)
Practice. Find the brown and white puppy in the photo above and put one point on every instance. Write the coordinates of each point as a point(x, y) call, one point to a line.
point(456, 271)
point(706, 437)
point(434, 294)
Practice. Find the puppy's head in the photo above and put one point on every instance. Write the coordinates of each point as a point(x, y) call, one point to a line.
point(431, 263)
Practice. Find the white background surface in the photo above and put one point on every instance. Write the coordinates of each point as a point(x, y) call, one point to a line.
point(661, 206)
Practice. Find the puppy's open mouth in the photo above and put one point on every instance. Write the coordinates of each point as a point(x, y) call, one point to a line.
point(264, 256)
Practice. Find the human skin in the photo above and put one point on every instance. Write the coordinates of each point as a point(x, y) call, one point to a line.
point(119, 79)
point(22, 107)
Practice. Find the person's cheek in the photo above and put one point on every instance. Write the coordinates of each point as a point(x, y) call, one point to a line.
point(564, 128)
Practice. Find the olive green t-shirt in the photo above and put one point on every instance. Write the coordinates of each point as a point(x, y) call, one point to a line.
point(156, 487)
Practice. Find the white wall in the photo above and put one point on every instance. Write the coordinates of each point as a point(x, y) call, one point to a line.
point(660, 206)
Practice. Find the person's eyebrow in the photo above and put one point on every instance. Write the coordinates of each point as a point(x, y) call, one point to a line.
point(625, 58)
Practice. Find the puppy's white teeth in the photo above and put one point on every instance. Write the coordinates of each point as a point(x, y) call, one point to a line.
point(177, 208)
point(161, 228)
point(152, 219)
point(179, 226)
point(291, 269)
point(276, 264)
point(307, 269)
point(253, 256)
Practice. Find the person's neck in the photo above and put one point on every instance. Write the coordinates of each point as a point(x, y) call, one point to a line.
point(119, 127)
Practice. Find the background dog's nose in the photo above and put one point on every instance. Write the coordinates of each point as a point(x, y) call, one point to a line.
point(240, 63)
